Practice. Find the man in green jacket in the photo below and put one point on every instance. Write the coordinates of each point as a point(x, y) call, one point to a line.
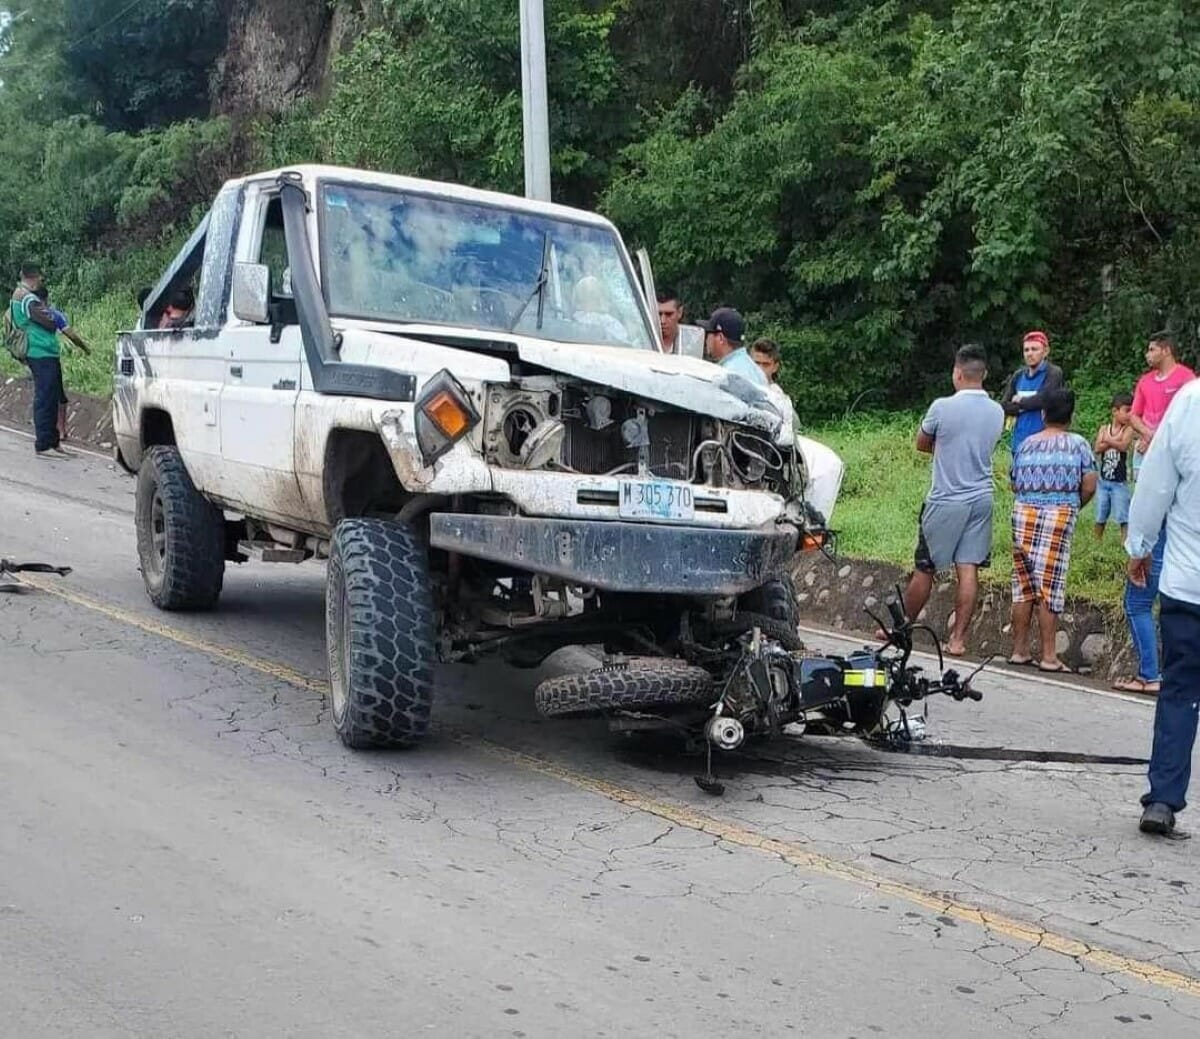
point(33, 317)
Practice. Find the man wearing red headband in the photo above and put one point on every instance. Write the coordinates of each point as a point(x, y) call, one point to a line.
point(1026, 390)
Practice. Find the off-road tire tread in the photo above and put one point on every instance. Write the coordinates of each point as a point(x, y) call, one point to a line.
point(390, 686)
point(643, 684)
point(779, 591)
point(193, 570)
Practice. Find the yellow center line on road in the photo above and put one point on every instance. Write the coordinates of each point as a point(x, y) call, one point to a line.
point(229, 654)
point(792, 852)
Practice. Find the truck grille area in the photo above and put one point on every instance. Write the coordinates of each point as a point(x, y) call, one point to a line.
point(599, 451)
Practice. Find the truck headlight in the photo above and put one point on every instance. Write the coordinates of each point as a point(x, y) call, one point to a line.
point(444, 416)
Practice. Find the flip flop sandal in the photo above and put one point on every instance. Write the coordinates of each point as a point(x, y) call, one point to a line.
point(1027, 662)
point(1135, 685)
point(1062, 669)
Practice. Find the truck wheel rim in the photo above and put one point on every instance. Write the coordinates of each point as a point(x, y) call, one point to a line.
point(341, 671)
point(158, 530)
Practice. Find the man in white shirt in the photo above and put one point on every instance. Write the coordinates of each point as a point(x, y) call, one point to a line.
point(674, 336)
point(1168, 489)
point(670, 316)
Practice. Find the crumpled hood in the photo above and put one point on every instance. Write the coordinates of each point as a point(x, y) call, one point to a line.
point(682, 382)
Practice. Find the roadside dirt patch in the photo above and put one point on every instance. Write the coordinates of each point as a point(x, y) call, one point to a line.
point(89, 419)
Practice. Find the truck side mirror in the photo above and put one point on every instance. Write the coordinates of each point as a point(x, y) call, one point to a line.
point(251, 292)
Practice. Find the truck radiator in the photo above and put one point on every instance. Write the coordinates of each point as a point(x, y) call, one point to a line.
point(596, 451)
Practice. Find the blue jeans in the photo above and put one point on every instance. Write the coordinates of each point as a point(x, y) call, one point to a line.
point(47, 395)
point(1178, 706)
point(1112, 503)
point(1139, 611)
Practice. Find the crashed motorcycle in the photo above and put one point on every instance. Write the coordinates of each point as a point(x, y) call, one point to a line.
point(750, 677)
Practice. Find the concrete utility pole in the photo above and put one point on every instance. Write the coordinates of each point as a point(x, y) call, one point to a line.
point(534, 106)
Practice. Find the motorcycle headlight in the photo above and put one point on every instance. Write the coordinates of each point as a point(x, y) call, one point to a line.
point(445, 415)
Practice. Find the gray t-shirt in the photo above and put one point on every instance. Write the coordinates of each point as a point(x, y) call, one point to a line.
point(965, 429)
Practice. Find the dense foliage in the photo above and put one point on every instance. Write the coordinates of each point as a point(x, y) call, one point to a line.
point(139, 65)
point(872, 182)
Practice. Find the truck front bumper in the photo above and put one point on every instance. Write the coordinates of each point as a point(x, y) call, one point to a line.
point(623, 557)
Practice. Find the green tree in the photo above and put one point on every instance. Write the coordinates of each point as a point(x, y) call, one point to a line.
point(142, 65)
point(882, 188)
point(435, 90)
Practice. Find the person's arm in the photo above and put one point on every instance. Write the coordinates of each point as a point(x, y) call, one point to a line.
point(39, 314)
point(1087, 488)
point(1089, 476)
point(77, 339)
point(1123, 439)
point(1037, 401)
point(1006, 395)
point(1153, 493)
point(927, 433)
point(1100, 444)
point(1136, 413)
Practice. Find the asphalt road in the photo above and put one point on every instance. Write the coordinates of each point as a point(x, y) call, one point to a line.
point(186, 849)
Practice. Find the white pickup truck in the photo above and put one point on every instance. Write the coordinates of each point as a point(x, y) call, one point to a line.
point(458, 399)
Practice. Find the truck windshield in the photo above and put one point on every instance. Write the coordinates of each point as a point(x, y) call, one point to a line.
point(400, 256)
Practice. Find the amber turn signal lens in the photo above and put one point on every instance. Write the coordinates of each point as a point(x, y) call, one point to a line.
point(812, 542)
point(450, 417)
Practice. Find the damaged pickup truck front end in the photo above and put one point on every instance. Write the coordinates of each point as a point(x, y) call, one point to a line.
point(620, 473)
point(459, 399)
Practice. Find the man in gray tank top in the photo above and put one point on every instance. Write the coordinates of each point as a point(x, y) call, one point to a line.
point(961, 432)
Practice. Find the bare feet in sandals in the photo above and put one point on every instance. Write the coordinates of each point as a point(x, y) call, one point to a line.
point(1133, 684)
point(956, 649)
point(1054, 667)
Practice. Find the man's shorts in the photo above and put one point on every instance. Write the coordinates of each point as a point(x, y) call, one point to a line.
point(1112, 502)
point(954, 533)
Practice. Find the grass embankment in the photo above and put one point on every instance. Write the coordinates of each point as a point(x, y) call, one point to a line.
point(99, 297)
point(98, 323)
point(887, 479)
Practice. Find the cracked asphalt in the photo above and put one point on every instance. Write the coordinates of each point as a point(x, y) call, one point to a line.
point(186, 850)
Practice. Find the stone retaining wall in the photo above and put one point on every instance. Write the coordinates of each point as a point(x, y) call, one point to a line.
point(1093, 640)
point(89, 419)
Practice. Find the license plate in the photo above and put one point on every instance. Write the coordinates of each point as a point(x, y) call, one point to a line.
point(655, 499)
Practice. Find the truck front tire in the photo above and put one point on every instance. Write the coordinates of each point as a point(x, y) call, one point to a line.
point(180, 535)
point(380, 636)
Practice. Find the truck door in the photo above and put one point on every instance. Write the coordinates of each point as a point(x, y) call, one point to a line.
point(262, 378)
point(173, 376)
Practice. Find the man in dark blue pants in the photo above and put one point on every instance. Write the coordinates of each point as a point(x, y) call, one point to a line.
point(1169, 489)
point(31, 315)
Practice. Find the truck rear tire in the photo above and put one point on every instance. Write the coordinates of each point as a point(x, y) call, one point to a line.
point(180, 535)
point(380, 636)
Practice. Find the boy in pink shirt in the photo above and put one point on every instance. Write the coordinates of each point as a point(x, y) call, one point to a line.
point(1154, 392)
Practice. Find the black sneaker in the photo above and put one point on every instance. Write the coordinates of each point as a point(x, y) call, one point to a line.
point(1157, 818)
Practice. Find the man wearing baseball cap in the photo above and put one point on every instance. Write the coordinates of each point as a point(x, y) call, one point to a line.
point(1027, 388)
point(723, 335)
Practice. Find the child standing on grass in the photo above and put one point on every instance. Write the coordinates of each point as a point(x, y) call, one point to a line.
point(1113, 440)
